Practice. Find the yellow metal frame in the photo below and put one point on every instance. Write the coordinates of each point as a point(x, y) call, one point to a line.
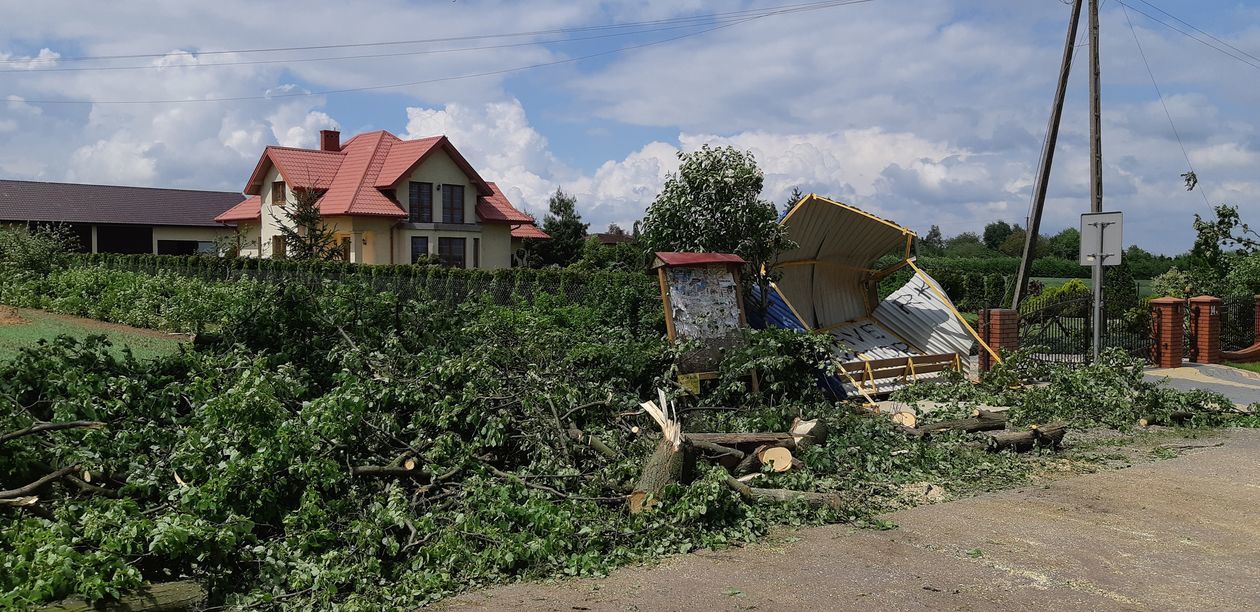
point(848, 207)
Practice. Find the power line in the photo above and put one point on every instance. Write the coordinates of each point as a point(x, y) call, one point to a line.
point(1160, 95)
point(700, 19)
point(346, 57)
point(1208, 34)
point(1210, 45)
point(294, 94)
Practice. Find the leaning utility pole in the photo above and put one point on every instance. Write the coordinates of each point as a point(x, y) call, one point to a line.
point(1095, 165)
point(1047, 160)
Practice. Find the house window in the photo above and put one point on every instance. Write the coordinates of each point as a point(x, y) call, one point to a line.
point(451, 252)
point(420, 203)
point(278, 195)
point(419, 248)
point(453, 203)
point(345, 249)
point(476, 252)
point(277, 247)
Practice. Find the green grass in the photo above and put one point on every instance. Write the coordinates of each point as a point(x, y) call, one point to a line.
point(1250, 367)
point(44, 326)
point(1144, 286)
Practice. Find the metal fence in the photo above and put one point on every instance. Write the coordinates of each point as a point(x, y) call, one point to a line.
point(1238, 322)
point(1059, 329)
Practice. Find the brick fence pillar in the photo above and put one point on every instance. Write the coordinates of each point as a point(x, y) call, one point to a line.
point(1168, 333)
point(1206, 313)
point(999, 328)
point(1255, 334)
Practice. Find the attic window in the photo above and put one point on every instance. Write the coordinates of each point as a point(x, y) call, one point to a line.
point(278, 195)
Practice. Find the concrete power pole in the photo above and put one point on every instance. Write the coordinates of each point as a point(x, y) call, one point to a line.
point(1047, 161)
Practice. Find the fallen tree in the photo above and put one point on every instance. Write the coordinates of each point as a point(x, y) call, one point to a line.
point(982, 420)
point(1037, 436)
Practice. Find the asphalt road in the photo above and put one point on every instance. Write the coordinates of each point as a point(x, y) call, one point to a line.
point(1177, 534)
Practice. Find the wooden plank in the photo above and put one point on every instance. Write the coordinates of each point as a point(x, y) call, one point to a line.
point(669, 310)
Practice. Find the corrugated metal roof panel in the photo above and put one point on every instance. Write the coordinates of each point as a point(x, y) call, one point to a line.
point(920, 313)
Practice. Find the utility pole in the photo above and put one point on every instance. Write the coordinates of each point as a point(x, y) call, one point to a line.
point(1095, 165)
point(1047, 160)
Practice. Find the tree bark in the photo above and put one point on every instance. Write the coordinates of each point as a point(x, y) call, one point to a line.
point(35, 486)
point(785, 440)
point(665, 465)
point(383, 470)
point(596, 444)
point(984, 421)
point(1176, 418)
point(812, 499)
point(38, 427)
point(717, 448)
point(162, 597)
point(1045, 436)
point(808, 432)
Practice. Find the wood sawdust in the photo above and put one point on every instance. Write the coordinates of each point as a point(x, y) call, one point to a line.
point(9, 316)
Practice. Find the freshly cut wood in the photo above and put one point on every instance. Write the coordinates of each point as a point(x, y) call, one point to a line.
point(808, 432)
point(26, 500)
point(717, 448)
point(733, 439)
point(1176, 418)
point(750, 477)
point(595, 443)
point(776, 458)
point(751, 463)
point(161, 597)
point(1043, 436)
point(905, 419)
point(982, 421)
point(754, 494)
point(671, 462)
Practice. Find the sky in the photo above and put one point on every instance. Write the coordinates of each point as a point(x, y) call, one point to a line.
point(922, 111)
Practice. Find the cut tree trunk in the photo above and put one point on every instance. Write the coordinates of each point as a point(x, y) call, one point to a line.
point(814, 500)
point(732, 439)
point(777, 458)
point(717, 449)
point(162, 597)
point(1176, 418)
point(1044, 436)
point(808, 432)
point(905, 419)
point(983, 421)
point(667, 464)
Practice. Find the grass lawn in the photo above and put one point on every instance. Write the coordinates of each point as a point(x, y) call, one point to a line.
point(1250, 367)
point(41, 325)
point(1144, 286)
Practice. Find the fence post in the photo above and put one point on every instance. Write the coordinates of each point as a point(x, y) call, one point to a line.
point(999, 328)
point(1168, 334)
point(1207, 332)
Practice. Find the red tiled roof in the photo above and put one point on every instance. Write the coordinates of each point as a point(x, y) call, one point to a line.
point(248, 210)
point(529, 230)
point(110, 204)
point(495, 208)
point(667, 258)
point(353, 178)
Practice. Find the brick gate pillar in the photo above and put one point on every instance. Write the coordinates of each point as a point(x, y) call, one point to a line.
point(1206, 313)
point(1168, 334)
point(999, 328)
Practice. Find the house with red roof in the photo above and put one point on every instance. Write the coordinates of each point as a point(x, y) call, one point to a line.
point(388, 200)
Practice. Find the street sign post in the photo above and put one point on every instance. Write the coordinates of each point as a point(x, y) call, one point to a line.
point(1101, 245)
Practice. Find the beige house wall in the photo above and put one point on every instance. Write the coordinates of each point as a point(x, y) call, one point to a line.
point(386, 240)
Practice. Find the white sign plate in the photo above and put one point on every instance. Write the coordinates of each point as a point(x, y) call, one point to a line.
point(1101, 238)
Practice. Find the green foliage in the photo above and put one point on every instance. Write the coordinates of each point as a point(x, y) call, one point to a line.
point(568, 233)
point(1110, 392)
point(713, 204)
point(306, 236)
point(997, 233)
point(1065, 244)
point(622, 256)
point(786, 363)
point(34, 251)
point(932, 243)
point(1243, 278)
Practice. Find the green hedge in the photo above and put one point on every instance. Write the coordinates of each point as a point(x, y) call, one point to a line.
point(1051, 267)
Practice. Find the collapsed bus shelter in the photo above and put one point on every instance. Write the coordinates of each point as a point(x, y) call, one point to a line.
point(830, 285)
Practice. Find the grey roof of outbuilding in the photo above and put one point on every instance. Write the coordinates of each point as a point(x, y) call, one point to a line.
point(109, 204)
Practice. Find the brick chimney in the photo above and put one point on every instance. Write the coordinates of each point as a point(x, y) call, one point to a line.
point(329, 140)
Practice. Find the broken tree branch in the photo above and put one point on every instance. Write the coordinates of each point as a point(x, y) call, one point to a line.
point(983, 421)
point(1037, 436)
point(40, 427)
point(812, 499)
point(577, 435)
point(25, 491)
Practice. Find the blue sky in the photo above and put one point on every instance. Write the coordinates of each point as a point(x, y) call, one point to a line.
point(924, 111)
